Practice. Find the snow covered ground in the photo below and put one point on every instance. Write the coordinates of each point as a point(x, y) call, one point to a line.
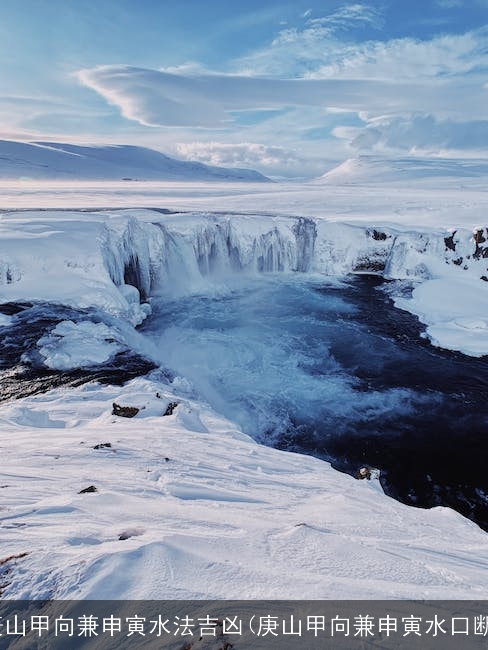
point(223, 517)
point(188, 507)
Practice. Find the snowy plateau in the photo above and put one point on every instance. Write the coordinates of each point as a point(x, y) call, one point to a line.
point(189, 505)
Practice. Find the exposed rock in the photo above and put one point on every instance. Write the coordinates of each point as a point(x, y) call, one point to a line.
point(102, 445)
point(366, 265)
point(131, 532)
point(377, 235)
point(90, 488)
point(449, 242)
point(12, 557)
point(458, 262)
point(479, 238)
point(170, 408)
point(483, 277)
point(124, 411)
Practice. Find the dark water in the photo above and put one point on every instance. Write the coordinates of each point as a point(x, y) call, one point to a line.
point(336, 371)
point(22, 372)
point(436, 455)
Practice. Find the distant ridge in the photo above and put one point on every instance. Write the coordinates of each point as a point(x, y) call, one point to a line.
point(366, 169)
point(61, 161)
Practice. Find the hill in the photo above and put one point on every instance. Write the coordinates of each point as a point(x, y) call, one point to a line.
point(61, 161)
point(371, 169)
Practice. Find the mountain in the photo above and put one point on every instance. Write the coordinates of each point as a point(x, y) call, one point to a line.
point(373, 169)
point(60, 161)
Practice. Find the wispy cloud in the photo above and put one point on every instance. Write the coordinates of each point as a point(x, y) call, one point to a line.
point(349, 16)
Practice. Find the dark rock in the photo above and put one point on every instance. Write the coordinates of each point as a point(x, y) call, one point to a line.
point(479, 237)
point(91, 488)
point(170, 408)
point(449, 242)
point(102, 445)
point(458, 262)
point(366, 265)
point(483, 277)
point(124, 411)
point(378, 235)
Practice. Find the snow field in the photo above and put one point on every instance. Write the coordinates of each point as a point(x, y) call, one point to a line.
point(223, 517)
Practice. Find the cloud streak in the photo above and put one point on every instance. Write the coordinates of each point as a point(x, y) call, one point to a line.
point(158, 98)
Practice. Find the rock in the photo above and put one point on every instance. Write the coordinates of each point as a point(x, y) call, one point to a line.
point(170, 408)
point(377, 235)
point(102, 445)
point(91, 488)
point(449, 242)
point(124, 411)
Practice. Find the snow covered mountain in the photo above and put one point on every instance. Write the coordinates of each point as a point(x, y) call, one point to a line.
point(61, 161)
point(373, 169)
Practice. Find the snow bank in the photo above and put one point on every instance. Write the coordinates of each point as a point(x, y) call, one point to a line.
point(188, 507)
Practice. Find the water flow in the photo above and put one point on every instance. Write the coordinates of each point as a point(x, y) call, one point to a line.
point(331, 368)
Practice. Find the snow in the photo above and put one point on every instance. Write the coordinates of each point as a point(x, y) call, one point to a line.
point(74, 345)
point(187, 505)
point(205, 512)
point(455, 312)
point(383, 169)
point(58, 161)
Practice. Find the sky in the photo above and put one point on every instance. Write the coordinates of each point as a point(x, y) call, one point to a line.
point(290, 88)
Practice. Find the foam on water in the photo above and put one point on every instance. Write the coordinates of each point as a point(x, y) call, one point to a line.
point(262, 354)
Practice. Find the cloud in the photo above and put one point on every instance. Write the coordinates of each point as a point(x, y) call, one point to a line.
point(153, 97)
point(157, 98)
point(349, 16)
point(407, 58)
point(248, 154)
point(297, 52)
point(417, 132)
point(270, 159)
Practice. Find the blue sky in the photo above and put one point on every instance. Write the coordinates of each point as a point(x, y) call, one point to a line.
point(288, 88)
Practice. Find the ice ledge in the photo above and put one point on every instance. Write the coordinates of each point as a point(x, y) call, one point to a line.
point(115, 260)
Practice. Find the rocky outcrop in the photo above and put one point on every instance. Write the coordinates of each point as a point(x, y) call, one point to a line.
point(124, 411)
